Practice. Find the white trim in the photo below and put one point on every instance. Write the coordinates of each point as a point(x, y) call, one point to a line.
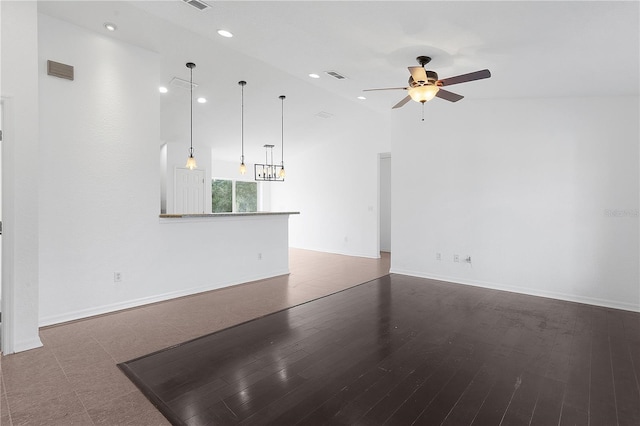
point(528, 291)
point(27, 345)
point(7, 341)
point(113, 307)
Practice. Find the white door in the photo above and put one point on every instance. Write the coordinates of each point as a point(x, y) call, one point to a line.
point(189, 191)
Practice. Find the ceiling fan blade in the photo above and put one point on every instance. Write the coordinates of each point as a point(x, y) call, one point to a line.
point(478, 75)
point(418, 73)
point(402, 102)
point(448, 96)
point(386, 88)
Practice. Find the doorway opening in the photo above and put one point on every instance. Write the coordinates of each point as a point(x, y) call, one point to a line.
point(384, 208)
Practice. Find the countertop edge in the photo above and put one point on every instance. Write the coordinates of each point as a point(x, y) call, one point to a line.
point(213, 215)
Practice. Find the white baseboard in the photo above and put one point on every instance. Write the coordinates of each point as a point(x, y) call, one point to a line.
point(26, 345)
point(114, 307)
point(524, 290)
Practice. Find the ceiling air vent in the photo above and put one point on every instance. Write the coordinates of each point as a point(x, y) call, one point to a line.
point(183, 84)
point(200, 5)
point(324, 114)
point(335, 75)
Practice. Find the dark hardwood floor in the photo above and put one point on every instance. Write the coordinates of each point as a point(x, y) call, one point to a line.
point(401, 351)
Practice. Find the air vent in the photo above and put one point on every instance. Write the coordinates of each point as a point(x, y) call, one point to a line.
point(324, 114)
point(200, 5)
point(335, 75)
point(182, 84)
point(57, 69)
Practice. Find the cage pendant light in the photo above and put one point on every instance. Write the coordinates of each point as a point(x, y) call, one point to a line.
point(243, 168)
point(270, 171)
point(191, 161)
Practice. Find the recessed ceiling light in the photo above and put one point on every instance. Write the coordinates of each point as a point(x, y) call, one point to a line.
point(202, 100)
point(110, 26)
point(361, 97)
point(314, 76)
point(163, 89)
point(225, 33)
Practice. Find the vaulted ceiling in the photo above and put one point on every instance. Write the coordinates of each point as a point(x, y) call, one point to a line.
point(533, 49)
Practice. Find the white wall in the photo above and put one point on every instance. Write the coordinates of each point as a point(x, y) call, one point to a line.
point(99, 191)
point(20, 162)
point(334, 183)
point(541, 193)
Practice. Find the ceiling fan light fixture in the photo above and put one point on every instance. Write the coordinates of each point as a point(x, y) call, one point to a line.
point(423, 93)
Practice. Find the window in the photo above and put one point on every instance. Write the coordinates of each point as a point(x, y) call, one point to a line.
point(221, 196)
point(246, 196)
point(233, 196)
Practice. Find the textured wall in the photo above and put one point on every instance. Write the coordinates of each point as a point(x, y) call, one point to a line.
point(100, 191)
point(541, 193)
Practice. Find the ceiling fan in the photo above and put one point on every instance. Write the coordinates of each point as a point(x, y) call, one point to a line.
point(424, 85)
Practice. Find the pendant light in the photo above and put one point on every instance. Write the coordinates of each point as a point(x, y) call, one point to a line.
point(243, 168)
point(269, 171)
point(191, 161)
point(282, 173)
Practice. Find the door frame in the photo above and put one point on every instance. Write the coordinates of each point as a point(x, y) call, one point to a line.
point(381, 156)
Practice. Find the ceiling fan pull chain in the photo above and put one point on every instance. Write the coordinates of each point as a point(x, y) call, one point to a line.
point(422, 111)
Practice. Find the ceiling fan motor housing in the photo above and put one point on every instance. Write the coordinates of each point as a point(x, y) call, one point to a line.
point(432, 77)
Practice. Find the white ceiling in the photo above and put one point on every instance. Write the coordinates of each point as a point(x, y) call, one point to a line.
point(533, 49)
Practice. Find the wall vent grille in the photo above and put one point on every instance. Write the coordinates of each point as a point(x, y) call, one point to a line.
point(57, 69)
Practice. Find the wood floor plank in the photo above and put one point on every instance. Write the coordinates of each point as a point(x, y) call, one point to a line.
point(400, 350)
point(438, 409)
point(549, 403)
point(384, 397)
point(522, 405)
point(471, 399)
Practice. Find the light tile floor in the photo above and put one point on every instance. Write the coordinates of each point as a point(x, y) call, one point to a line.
point(74, 380)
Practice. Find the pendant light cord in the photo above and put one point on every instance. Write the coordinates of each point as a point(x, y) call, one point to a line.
point(191, 87)
point(242, 83)
point(282, 98)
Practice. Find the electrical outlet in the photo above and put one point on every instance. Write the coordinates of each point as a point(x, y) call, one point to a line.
point(259, 256)
point(438, 256)
point(117, 277)
point(456, 258)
